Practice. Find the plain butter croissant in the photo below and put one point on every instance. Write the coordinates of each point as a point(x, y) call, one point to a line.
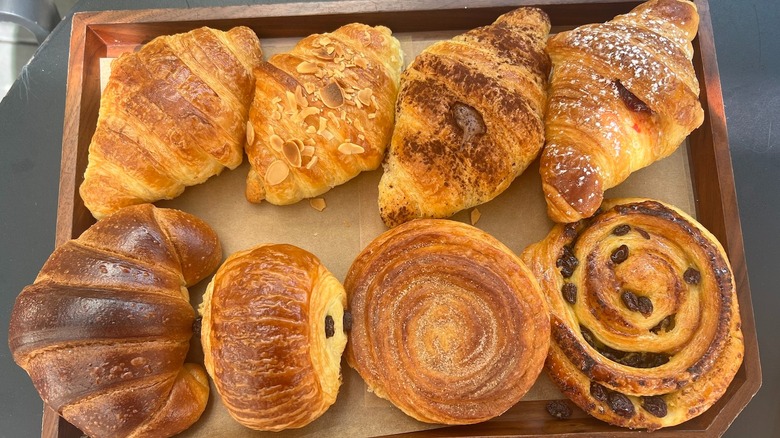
point(172, 115)
point(469, 119)
point(623, 94)
point(322, 113)
point(105, 329)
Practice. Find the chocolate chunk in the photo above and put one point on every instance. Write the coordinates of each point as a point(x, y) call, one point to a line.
point(347, 321)
point(567, 262)
point(569, 291)
point(558, 409)
point(330, 328)
point(619, 255)
point(196, 326)
point(599, 392)
point(643, 233)
point(621, 230)
point(666, 324)
point(645, 306)
point(630, 300)
point(692, 276)
point(621, 404)
point(632, 102)
point(655, 405)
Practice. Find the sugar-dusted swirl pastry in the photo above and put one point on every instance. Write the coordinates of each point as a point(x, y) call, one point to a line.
point(322, 113)
point(448, 324)
point(645, 319)
point(273, 335)
point(623, 94)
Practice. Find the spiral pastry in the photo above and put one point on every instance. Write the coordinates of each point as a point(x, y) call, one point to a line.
point(644, 316)
point(448, 323)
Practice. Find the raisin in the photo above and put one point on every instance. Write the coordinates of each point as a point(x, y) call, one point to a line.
point(655, 405)
point(196, 326)
point(645, 306)
point(347, 321)
point(599, 392)
point(630, 300)
point(330, 328)
point(621, 404)
point(666, 324)
point(558, 409)
point(621, 230)
point(692, 276)
point(632, 102)
point(643, 233)
point(619, 255)
point(567, 262)
point(569, 291)
point(588, 336)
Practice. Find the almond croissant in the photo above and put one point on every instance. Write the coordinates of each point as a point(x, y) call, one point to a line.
point(623, 94)
point(469, 119)
point(105, 328)
point(172, 115)
point(322, 113)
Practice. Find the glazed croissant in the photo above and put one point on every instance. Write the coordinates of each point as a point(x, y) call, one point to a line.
point(104, 330)
point(322, 113)
point(469, 119)
point(172, 115)
point(623, 94)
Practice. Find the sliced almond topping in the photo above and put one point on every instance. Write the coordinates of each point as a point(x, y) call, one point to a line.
point(276, 100)
point(312, 162)
point(276, 142)
point(317, 204)
point(308, 151)
point(361, 137)
point(330, 50)
point(327, 134)
point(309, 142)
point(373, 100)
point(320, 74)
point(276, 173)
point(292, 153)
point(311, 119)
point(250, 133)
point(276, 115)
point(323, 125)
point(324, 40)
point(372, 116)
point(300, 98)
point(311, 130)
point(331, 95)
point(475, 215)
point(309, 87)
point(361, 62)
point(298, 143)
point(309, 111)
point(342, 66)
point(292, 104)
point(334, 118)
point(365, 96)
point(306, 68)
point(350, 149)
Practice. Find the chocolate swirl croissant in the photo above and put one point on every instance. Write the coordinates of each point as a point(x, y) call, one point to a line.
point(104, 330)
point(469, 119)
point(172, 115)
point(448, 324)
point(645, 319)
point(623, 94)
point(322, 113)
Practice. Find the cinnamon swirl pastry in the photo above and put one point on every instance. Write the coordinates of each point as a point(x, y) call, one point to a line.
point(448, 323)
point(644, 315)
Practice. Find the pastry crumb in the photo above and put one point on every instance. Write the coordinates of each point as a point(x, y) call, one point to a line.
point(475, 215)
point(317, 204)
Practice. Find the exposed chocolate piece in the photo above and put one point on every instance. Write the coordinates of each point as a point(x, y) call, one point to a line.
point(666, 324)
point(621, 404)
point(645, 306)
point(567, 262)
point(558, 409)
point(330, 328)
point(655, 405)
point(692, 276)
point(469, 120)
point(347, 321)
point(569, 291)
point(196, 326)
point(621, 230)
point(599, 392)
point(619, 255)
point(632, 102)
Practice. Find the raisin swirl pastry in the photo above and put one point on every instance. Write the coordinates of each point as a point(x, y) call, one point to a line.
point(448, 323)
point(645, 319)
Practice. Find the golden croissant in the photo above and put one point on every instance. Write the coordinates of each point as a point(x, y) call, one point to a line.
point(322, 113)
point(623, 94)
point(172, 115)
point(469, 119)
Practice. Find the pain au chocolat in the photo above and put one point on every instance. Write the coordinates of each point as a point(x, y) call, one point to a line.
point(448, 323)
point(645, 319)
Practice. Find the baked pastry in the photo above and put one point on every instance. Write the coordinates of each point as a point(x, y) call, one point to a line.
point(322, 113)
point(272, 336)
point(104, 330)
point(623, 94)
point(469, 119)
point(448, 324)
point(172, 115)
point(645, 319)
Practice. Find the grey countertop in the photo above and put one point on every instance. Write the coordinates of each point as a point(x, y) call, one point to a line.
point(747, 37)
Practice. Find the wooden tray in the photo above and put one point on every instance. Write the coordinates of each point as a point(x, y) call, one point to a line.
point(106, 34)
